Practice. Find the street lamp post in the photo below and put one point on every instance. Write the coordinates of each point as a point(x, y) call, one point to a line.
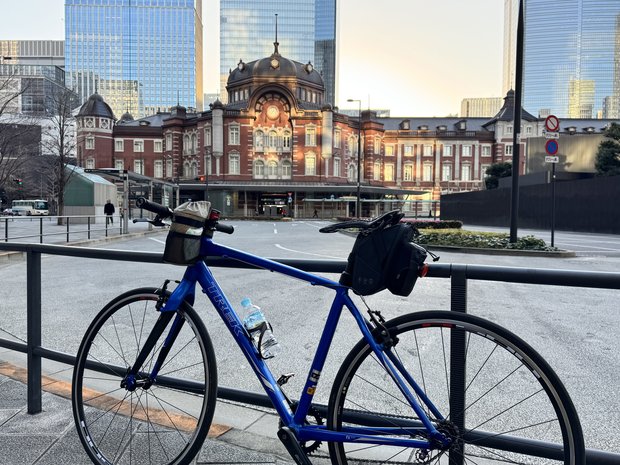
point(359, 153)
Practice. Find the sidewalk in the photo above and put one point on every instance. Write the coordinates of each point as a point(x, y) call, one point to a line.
point(49, 437)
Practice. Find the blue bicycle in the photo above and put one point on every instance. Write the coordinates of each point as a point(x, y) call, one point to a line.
point(145, 381)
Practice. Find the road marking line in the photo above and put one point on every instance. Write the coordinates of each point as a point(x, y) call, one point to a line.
point(275, 229)
point(157, 240)
point(308, 253)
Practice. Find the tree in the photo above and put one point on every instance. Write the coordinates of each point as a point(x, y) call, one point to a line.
point(58, 141)
point(607, 162)
point(496, 171)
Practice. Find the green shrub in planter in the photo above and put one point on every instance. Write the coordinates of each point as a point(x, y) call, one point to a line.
point(477, 239)
point(433, 224)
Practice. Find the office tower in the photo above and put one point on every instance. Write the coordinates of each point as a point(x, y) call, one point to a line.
point(141, 56)
point(306, 32)
point(511, 12)
point(481, 107)
point(33, 52)
point(572, 58)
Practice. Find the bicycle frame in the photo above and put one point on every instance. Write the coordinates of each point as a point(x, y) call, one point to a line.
point(201, 274)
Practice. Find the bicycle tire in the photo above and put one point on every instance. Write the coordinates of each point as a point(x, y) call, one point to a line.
point(510, 392)
point(159, 424)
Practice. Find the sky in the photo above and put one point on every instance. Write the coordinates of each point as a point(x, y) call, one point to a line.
point(413, 57)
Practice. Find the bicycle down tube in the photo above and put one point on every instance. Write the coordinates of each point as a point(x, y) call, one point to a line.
point(201, 274)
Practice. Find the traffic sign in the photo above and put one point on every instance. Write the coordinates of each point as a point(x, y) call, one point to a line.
point(551, 135)
point(552, 159)
point(552, 146)
point(552, 123)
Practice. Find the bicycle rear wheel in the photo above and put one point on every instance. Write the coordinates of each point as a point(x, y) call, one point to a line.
point(143, 423)
point(512, 408)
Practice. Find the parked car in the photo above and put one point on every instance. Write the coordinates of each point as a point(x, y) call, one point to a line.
point(7, 212)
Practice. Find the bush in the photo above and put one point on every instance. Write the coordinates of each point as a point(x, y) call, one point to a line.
point(433, 224)
point(476, 239)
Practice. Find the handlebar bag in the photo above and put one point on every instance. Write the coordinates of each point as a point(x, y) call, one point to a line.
point(183, 240)
point(384, 259)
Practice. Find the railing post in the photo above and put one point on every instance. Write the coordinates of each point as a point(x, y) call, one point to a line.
point(67, 229)
point(6, 230)
point(89, 227)
point(458, 303)
point(33, 317)
point(41, 230)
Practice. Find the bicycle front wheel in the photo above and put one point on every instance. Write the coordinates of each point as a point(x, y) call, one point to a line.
point(498, 402)
point(140, 421)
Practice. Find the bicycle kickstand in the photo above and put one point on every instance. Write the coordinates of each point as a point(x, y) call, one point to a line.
point(293, 447)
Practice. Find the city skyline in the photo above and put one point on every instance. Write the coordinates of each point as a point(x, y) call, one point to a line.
point(416, 59)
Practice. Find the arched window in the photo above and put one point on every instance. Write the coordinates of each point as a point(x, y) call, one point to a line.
point(194, 143)
point(186, 143)
point(259, 168)
point(352, 173)
point(186, 169)
point(337, 167)
point(259, 140)
point(272, 169)
point(273, 139)
point(286, 169)
point(193, 170)
point(310, 164)
point(286, 141)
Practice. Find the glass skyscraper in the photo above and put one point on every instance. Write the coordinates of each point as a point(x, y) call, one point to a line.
point(306, 32)
point(140, 55)
point(572, 58)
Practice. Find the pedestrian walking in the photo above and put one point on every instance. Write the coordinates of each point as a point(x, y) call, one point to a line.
point(109, 210)
point(315, 214)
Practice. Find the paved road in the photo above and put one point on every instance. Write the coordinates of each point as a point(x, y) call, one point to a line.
point(574, 329)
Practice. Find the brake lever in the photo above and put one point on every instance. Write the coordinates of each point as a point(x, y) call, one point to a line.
point(157, 221)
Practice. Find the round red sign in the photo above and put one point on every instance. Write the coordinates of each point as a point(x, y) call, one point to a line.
point(552, 123)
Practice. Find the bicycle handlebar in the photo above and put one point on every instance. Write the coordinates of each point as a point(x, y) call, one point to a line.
point(159, 210)
point(387, 219)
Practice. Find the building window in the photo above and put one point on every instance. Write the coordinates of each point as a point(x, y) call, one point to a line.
point(528, 130)
point(337, 139)
point(376, 171)
point(233, 163)
point(193, 170)
point(428, 150)
point(486, 150)
point(509, 130)
point(352, 173)
point(408, 151)
point(208, 137)
point(138, 166)
point(90, 164)
point(310, 164)
point(446, 173)
point(90, 143)
point(186, 144)
point(467, 150)
point(233, 135)
point(158, 146)
point(377, 146)
point(259, 140)
point(337, 167)
point(310, 137)
point(119, 164)
point(427, 172)
point(466, 173)
point(119, 145)
point(286, 141)
point(259, 169)
point(483, 170)
point(273, 140)
point(272, 169)
point(158, 169)
point(389, 150)
point(388, 173)
point(138, 145)
point(508, 150)
point(408, 172)
point(194, 143)
point(168, 141)
point(169, 168)
point(447, 150)
point(286, 169)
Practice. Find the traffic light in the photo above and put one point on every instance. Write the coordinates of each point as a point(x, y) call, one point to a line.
point(200, 178)
point(18, 181)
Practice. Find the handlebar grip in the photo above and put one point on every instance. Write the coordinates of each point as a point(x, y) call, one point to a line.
point(225, 228)
point(160, 210)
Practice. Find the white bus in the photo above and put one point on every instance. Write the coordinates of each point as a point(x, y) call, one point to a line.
point(30, 207)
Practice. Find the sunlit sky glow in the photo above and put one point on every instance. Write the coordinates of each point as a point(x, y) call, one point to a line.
point(413, 57)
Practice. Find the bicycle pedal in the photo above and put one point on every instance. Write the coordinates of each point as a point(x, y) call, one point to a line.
point(293, 447)
point(283, 379)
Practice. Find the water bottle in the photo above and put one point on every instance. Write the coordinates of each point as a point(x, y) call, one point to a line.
point(256, 324)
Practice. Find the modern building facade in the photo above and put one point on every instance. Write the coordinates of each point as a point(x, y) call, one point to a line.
point(480, 107)
point(305, 28)
point(141, 56)
point(571, 58)
point(33, 52)
point(276, 149)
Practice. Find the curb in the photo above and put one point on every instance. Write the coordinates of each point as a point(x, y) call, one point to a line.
point(509, 252)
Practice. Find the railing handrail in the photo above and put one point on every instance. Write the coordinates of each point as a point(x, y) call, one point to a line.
point(459, 275)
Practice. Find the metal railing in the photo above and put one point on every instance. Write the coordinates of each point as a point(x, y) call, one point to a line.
point(459, 276)
point(80, 226)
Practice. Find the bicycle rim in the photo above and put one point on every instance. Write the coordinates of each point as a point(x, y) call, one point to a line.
point(164, 423)
point(512, 399)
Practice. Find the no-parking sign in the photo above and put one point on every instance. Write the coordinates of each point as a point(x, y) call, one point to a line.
point(552, 147)
point(552, 123)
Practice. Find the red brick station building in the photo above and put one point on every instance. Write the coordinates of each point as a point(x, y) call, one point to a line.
point(276, 148)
